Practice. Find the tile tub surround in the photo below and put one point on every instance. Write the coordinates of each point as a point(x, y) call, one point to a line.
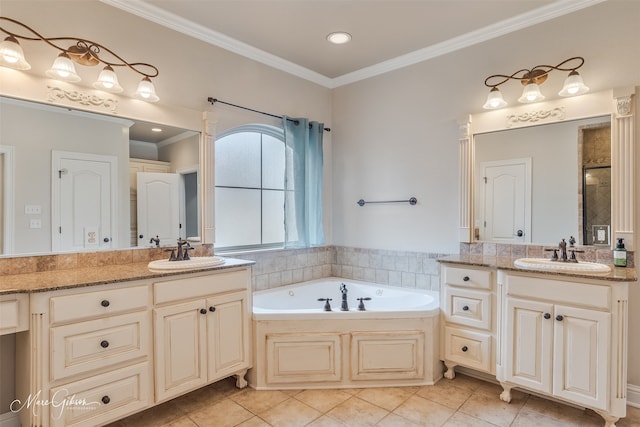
point(276, 268)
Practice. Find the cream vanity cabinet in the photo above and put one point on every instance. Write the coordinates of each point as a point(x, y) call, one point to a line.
point(96, 354)
point(566, 338)
point(201, 331)
point(468, 299)
point(86, 358)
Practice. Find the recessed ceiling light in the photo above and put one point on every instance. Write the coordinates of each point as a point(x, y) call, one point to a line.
point(156, 130)
point(339, 37)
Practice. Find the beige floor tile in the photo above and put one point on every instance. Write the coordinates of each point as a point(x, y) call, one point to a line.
point(357, 412)
point(181, 422)
point(393, 420)
point(290, 413)
point(556, 410)
point(490, 408)
point(527, 418)
point(449, 395)
point(632, 418)
point(388, 398)
point(461, 381)
point(327, 421)
point(463, 420)
point(221, 414)
point(258, 401)
point(424, 412)
point(292, 392)
point(162, 414)
point(205, 396)
point(254, 422)
point(322, 400)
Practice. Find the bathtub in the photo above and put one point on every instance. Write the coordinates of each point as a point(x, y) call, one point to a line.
point(299, 345)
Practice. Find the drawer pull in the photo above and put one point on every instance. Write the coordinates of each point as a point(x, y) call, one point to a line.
point(105, 303)
point(465, 348)
point(104, 344)
point(212, 309)
point(559, 318)
point(465, 278)
point(105, 399)
point(547, 316)
point(465, 308)
point(203, 311)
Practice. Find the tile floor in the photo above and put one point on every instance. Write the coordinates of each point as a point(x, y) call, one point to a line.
point(465, 401)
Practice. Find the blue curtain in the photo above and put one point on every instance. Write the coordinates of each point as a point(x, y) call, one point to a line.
point(303, 183)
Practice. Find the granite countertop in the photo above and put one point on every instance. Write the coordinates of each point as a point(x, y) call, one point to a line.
point(91, 276)
point(617, 274)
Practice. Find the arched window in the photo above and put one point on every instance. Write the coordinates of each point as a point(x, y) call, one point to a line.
point(249, 191)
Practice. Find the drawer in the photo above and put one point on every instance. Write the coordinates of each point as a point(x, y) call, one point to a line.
point(84, 347)
point(200, 286)
point(467, 307)
point(467, 348)
point(91, 305)
point(102, 398)
point(467, 277)
point(14, 313)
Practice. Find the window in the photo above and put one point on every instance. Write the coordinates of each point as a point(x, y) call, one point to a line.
point(249, 192)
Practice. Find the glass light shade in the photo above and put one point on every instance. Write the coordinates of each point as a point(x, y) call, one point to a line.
point(63, 69)
point(11, 55)
point(107, 80)
point(573, 85)
point(531, 93)
point(146, 91)
point(339, 37)
point(494, 100)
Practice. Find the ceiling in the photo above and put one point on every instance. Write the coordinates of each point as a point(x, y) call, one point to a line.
point(386, 34)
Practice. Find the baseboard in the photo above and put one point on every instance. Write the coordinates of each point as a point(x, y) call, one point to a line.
point(9, 419)
point(633, 395)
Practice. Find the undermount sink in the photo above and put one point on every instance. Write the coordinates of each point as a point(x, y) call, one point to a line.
point(194, 263)
point(546, 264)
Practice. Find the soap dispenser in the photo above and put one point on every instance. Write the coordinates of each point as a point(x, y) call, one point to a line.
point(620, 254)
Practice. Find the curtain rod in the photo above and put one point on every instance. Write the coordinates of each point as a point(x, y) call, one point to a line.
point(214, 100)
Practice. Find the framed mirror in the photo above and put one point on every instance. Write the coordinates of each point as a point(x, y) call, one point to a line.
point(554, 164)
point(70, 180)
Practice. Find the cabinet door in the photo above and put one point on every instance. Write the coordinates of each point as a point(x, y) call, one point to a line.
point(528, 346)
point(227, 335)
point(581, 360)
point(180, 348)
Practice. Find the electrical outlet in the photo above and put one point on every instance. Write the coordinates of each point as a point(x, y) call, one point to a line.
point(35, 223)
point(32, 209)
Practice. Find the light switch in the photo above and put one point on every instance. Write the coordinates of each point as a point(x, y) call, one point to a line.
point(32, 210)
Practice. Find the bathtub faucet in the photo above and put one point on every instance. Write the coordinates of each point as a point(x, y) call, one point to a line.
point(345, 305)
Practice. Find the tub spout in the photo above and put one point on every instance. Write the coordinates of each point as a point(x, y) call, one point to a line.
point(345, 304)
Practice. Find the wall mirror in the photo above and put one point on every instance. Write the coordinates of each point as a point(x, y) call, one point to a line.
point(535, 174)
point(42, 146)
point(538, 184)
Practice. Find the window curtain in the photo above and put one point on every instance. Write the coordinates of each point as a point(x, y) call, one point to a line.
point(303, 183)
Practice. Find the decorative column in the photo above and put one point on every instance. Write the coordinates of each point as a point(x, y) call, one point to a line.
point(207, 183)
point(465, 190)
point(622, 161)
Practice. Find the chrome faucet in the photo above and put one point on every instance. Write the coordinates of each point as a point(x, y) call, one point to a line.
point(345, 305)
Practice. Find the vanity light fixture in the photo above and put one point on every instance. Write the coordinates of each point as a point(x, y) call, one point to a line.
point(83, 52)
point(532, 79)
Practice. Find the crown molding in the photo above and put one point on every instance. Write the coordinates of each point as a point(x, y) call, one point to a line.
point(184, 26)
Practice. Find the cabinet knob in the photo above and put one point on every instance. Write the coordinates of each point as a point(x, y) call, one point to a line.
point(547, 316)
point(212, 309)
point(465, 278)
point(203, 311)
point(465, 348)
point(105, 303)
point(141, 236)
point(465, 308)
point(106, 240)
point(104, 343)
point(559, 318)
point(105, 399)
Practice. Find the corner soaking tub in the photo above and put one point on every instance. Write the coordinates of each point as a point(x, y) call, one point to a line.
point(297, 344)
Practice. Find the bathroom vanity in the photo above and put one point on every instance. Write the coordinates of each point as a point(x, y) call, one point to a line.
point(102, 343)
point(561, 335)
